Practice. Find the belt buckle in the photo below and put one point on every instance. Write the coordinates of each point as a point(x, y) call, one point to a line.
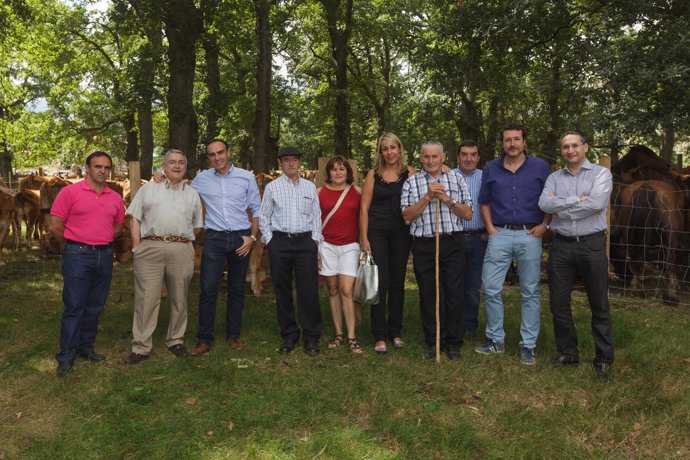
point(166, 239)
point(291, 235)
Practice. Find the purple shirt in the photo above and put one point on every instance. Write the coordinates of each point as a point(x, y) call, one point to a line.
point(514, 197)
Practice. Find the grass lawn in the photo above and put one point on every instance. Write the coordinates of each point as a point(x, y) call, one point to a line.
point(258, 404)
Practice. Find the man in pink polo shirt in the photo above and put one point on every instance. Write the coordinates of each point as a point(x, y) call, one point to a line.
point(87, 216)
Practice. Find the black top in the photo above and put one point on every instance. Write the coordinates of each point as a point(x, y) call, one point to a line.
point(385, 212)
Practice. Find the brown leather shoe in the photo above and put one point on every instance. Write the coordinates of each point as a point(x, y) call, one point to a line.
point(236, 344)
point(200, 349)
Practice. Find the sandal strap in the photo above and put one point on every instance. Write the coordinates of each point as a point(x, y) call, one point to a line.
point(337, 341)
point(354, 345)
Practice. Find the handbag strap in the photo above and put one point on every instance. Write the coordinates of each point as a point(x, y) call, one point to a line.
point(337, 205)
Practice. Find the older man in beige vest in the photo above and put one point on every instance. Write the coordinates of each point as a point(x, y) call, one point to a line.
point(166, 217)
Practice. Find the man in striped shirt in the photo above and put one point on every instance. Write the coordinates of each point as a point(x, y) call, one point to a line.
point(475, 236)
point(290, 223)
point(423, 195)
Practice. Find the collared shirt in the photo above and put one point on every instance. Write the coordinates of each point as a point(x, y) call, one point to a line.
point(89, 217)
point(514, 197)
point(416, 187)
point(227, 198)
point(291, 207)
point(165, 211)
point(561, 197)
point(474, 183)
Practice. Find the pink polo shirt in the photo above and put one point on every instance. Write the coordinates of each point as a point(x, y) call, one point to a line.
point(89, 217)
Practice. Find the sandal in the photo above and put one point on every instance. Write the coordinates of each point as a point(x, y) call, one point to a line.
point(398, 342)
point(354, 346)
point(380, 347)
point(337, 341)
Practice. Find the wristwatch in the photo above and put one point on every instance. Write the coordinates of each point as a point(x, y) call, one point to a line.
point(252, 237)
point(453, 203)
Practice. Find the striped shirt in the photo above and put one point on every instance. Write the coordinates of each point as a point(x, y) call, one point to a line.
point(561, 197)
point(416, 187)
point(291, 207)
point(474, 183)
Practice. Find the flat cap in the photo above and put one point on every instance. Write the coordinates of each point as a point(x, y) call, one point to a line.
point(289, 151)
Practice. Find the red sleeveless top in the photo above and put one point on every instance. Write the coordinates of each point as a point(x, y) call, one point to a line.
point(343, 226)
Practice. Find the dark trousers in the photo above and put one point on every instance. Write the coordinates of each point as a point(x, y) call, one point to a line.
point(586, 259)
point(390, 250)
point(475, 248)
point(296, 256)
point(87, 274)
point(219, 249)
point(451, 268)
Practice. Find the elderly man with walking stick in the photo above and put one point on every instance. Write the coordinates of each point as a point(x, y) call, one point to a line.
point(435, 202)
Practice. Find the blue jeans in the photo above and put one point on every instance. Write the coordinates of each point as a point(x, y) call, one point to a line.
point(86, 275)
point(502, 248)
point(219, 248)
point(475, 247)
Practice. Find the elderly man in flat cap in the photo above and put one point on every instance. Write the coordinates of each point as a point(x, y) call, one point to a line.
point(290, 223)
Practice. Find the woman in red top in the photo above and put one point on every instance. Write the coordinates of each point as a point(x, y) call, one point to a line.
point(340, 249)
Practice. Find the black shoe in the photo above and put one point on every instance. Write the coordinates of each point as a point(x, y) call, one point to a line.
point(287, 347)
point(178, 350)
point(64, 368)
point(453, 354)
point(564, 360)
point(135, 358)
point(603, 370)
point(311, 348)
point(430, 352)
point(92, 356)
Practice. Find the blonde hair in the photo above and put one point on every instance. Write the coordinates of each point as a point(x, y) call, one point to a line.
point(402, 166)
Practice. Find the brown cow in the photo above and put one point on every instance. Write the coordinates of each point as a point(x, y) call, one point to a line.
point(29, 210)
point(31, 182)
point(646, 225)
point(49, 190)
point(7, 212)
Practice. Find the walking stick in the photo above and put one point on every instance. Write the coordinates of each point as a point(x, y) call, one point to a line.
point(438, 289)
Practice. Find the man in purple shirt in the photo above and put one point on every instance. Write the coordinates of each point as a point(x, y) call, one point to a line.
point(509, 205)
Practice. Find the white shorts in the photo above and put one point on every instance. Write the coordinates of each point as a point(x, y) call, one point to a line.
point(339, 260)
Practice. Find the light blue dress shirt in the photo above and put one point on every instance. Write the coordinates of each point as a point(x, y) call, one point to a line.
point(561, 197)
point(227, 198)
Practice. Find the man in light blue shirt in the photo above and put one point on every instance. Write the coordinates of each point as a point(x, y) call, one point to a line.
point(290, 223)
point(227, 192)
point(578, 196)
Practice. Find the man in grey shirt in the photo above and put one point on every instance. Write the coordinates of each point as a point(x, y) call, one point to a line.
point(577, 196)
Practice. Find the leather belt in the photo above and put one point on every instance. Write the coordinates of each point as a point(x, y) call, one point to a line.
point(168, 239)
point(577, 239)
point(93, 247)
point(292, 235)
point(474, 232)
point(227, 231)
point(433, 238)
point(517, 226)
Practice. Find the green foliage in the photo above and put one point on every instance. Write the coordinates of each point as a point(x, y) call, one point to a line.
point(619, 71)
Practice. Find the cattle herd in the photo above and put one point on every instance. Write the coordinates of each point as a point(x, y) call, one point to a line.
point(650, 211)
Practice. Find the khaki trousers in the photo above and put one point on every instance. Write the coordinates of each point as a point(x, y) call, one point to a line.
point(155, 261)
